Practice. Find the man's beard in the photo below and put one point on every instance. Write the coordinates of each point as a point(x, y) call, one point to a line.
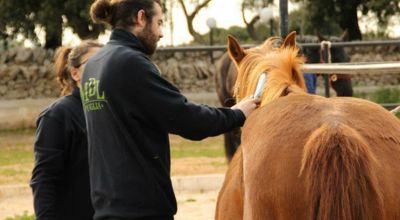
point(149, 40)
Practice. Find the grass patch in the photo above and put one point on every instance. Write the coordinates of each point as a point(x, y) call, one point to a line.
point(383, 95)
point(16, 147)
point(210, 147)
point(24, 216)
point(16, 155)
point(190, 200)
point(361, 95)
point(17, 158)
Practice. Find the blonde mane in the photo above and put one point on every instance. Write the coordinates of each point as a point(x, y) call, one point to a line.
point(281, 65)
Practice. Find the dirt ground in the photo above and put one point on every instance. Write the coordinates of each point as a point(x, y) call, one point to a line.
point(191, 206)
point(198, 166)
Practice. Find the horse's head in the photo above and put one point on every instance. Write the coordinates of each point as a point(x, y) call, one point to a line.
point(280, 64)
point(338, 54)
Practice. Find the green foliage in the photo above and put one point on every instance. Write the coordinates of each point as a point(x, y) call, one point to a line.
point(220, 35)
point(23, 16)
point(326, 15)
point(254, 5)
point(383, 9)
point(383, 95)
point(24, 216)
point(372, 35)
point(361, 95)
point(299, 21)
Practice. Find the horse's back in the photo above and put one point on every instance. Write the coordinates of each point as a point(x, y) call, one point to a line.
point(273, 143)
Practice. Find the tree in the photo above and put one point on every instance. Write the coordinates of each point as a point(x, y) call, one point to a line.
point(300, 22)
point(23, 16)
point(221, 35)
point(78, 18)
point(344, 12)
point(14, 19)
point(190, 17)
point(253, 6)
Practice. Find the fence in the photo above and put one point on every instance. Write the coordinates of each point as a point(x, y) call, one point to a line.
point(304, 45)
point(337, 68)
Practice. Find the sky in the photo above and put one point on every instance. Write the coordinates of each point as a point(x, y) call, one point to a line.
point(227, 13)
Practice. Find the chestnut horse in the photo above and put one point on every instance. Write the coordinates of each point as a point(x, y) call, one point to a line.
point(226, 73)
point(304, 156)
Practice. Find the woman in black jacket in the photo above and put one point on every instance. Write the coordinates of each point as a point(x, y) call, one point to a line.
point(60, 178)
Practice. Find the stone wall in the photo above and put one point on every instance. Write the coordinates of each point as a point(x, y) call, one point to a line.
point(190, 71)
point(375, 54)
point(27, 73)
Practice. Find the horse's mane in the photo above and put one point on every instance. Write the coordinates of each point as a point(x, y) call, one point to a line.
point(282, 66)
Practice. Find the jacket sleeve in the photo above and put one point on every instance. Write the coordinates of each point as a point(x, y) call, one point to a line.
point(165, 107)
point(48, 170)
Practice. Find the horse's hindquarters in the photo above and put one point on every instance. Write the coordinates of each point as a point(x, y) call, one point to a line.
point(273, 143)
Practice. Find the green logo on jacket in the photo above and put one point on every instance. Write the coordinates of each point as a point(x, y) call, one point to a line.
point(92, 98)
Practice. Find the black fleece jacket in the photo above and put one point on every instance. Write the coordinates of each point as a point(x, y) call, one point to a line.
point(60, 178)
point(130, 110)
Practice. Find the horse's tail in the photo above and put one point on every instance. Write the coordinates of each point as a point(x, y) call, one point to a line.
point(340, 174)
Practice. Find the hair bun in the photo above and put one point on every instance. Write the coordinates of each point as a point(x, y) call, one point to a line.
point(100, 11)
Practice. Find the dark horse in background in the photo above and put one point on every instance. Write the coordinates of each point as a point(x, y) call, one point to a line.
point(341, 83)
point(226, 74)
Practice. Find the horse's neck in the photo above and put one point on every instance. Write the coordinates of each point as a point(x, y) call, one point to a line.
point(295, 89)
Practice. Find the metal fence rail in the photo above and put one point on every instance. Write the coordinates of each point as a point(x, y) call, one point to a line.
point(336, 68)
point(352, 68)
point(304, 45)
point(390, 106)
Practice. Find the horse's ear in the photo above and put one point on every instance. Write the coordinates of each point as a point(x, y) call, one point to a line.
point(236, 52)
point(290, 40)
point(345, 36)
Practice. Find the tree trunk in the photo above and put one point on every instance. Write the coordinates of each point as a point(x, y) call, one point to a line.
point(250, 26)
point(83, 31)
point(252, 30)
point(197, 37)
point(349, 20)
point(53, 33)
point(190, 17)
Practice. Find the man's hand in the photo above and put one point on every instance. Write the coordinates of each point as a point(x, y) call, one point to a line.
point(247, 105)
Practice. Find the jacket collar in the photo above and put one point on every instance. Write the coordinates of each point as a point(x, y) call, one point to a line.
point(123, 37)
point(76, 93)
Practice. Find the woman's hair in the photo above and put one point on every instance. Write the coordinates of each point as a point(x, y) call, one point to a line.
point(121, 13)
point(67, 58)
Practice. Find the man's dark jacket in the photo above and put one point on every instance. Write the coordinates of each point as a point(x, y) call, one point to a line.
point(60, 178)
point(130, 110)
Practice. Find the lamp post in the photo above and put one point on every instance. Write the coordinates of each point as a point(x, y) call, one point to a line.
point(283, 13)
point(266, 16)
point(211, 23)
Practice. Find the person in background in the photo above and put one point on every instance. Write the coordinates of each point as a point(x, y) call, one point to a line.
point(130, 110)
point(311, 82)
point(60, 177)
